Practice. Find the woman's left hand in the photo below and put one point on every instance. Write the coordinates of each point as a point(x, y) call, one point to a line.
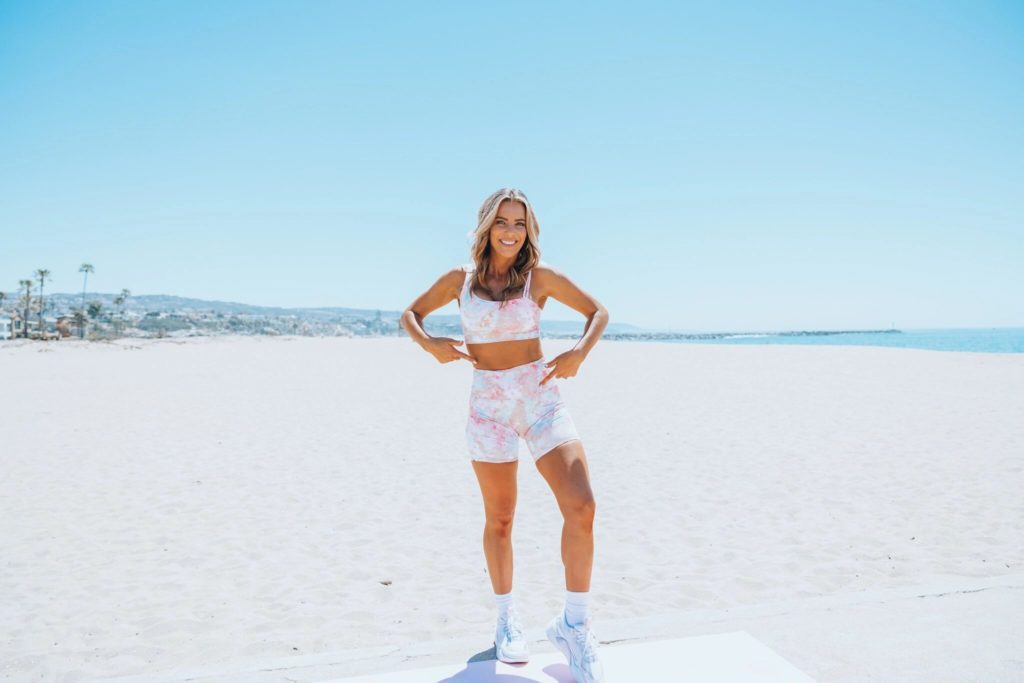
point(566, 364)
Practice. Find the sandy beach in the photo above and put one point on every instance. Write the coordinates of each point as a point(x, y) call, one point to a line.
point(173, 504)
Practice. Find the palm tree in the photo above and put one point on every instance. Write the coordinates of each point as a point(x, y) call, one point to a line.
point(27, 301)
point(85, 268)
point(79, 320)
point(119, 301)
point(43, 274)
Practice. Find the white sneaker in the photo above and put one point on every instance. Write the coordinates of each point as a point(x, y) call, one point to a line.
point(509, 643)
point(579, 645)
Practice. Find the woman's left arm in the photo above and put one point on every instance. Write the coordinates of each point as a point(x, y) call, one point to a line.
point(556, 284)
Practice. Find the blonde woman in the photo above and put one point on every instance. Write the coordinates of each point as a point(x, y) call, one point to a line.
point(514, 395)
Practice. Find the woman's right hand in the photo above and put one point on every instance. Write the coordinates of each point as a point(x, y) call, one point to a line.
point(443, 349)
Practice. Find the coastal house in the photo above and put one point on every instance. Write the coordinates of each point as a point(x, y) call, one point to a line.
point(14, 323)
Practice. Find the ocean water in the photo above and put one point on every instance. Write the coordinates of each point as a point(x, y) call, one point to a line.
point(994, 340)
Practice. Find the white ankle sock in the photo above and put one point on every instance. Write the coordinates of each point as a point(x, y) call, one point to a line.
point(576, 607)
point(504, 603)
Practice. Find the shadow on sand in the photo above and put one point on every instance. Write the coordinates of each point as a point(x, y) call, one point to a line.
point(483, 668)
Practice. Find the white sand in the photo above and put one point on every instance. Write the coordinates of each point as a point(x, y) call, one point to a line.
point(176, 504)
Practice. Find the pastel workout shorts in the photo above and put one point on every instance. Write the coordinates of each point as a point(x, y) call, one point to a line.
point(505, 405)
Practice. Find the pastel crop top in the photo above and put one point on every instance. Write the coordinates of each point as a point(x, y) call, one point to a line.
point(485, 321)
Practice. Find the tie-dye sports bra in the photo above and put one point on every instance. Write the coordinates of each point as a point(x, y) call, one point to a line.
point(485, 321)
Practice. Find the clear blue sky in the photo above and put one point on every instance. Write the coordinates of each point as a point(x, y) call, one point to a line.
point(750, 166)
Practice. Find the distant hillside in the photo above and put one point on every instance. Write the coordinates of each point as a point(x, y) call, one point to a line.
point(145, 303)
point(62, 302)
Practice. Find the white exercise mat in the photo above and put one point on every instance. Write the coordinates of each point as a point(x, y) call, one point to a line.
point(721, 658)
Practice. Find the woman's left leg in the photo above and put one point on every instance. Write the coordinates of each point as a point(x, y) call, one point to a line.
point(565, 470)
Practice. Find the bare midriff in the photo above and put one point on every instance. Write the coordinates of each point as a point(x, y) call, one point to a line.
point(506, 354)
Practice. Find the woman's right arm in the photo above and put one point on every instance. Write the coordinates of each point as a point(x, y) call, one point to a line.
point(446, 289)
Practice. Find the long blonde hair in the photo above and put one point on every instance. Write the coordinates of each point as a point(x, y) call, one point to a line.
point(480, 249)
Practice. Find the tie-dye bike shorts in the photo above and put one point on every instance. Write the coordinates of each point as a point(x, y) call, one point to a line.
point(505, 405)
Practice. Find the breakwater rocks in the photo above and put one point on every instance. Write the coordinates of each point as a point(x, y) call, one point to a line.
point(719, 336)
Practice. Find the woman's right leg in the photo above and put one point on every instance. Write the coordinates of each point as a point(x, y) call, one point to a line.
point(498, 486)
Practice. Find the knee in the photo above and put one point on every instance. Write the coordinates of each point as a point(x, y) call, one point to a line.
point(580, 511)
point(499, 524)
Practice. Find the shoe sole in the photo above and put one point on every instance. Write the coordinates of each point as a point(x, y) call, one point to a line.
point(510, 660)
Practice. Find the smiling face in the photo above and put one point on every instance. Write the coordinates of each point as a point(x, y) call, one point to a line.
point(508, 231)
